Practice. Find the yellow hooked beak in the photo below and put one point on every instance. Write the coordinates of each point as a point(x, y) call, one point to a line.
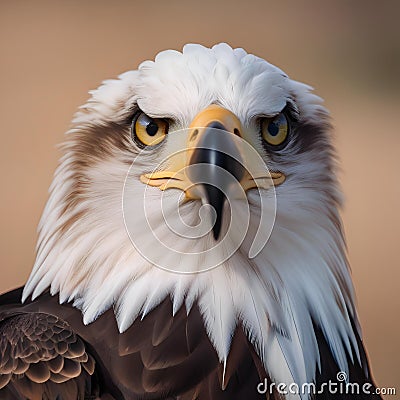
point(213, 142)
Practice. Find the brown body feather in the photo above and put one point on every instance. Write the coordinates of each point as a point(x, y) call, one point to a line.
point(46, 352)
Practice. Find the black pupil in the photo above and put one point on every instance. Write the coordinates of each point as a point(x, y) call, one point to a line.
point(152, 128)
point(273, 128)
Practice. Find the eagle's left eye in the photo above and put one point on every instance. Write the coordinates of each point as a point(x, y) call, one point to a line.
point(274, 131)
point(147, 131)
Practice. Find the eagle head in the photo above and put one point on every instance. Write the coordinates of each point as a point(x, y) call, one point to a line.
point(206, 176)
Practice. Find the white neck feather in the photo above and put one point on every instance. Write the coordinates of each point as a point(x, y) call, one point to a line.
point(300, 276)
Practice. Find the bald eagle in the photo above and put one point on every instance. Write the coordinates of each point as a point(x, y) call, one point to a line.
point(191, 246)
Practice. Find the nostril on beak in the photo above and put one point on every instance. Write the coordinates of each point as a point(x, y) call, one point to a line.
point(237, 132)
point(194, 135)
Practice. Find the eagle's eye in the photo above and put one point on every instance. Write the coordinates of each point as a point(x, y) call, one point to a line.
point(147, 131)
point(275, 131)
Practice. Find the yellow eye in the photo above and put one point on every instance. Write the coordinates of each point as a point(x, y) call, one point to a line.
point(147, 131)
point(275, 131)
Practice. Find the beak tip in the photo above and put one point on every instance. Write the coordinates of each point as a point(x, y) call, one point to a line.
point(216, 198)
point(216, 229)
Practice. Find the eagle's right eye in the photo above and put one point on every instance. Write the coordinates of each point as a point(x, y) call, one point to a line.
point(147, 131)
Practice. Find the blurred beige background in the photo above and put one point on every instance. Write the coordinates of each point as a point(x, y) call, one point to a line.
point(53, 52)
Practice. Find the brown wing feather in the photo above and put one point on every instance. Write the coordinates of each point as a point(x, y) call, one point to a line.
point(38, 351)
point(160, 357)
